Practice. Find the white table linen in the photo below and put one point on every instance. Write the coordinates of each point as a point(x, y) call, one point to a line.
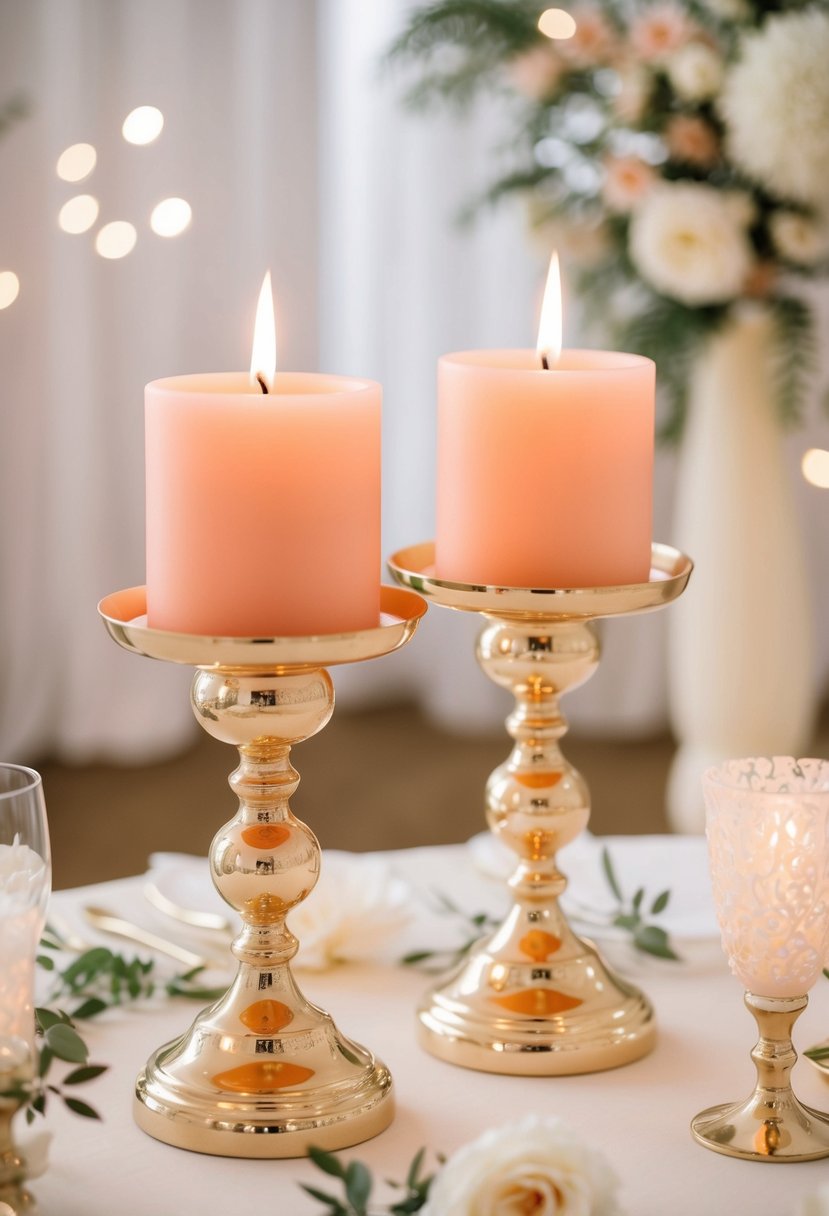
point(637, 1115)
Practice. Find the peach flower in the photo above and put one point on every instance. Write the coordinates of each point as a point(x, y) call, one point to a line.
point(692, 140)
point(627, 180)
point(661, 29)
point(593, 41)
point(536, 73)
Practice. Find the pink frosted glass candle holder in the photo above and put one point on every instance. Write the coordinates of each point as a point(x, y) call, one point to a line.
point(767, 822)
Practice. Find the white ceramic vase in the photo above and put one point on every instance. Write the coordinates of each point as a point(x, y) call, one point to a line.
point(740, 647)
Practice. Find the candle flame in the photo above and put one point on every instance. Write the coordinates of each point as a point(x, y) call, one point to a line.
point(263, 354)
point(549, 327)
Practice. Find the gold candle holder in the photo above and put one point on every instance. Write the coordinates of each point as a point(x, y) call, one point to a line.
point(263, 1072)
point(533, 998)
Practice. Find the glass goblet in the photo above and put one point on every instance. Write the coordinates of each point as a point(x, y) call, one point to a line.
point(767, 823)
point(25, 881)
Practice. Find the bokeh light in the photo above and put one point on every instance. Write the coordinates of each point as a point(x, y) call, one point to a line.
point(171, 216)
point(78, 214)
point(9, 288)
point(556, 23)
point(815, 466)
point(76, 163)
point(142, 125)
point(116, 239)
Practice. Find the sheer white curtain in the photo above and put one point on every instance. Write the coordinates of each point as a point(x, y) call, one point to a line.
point(236, 84)
point(295, 152)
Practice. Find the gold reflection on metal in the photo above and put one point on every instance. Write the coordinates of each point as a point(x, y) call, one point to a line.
point(771, 1125)
point(263, 1072)
point(534, 999)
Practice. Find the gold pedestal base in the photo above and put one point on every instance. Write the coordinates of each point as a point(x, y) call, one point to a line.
point(771, 1125)
point(768, 1127)
point(534, 999)
point(263, 1072)
point(170, 1108)
point(610, 1024)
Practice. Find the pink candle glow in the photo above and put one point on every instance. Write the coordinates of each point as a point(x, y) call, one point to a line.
point(263, 508)
point(545, 465)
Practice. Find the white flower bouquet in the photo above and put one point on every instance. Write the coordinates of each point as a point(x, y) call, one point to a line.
point(676, 151)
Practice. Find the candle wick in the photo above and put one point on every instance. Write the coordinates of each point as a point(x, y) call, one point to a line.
point(262, 384)
point(545, 362)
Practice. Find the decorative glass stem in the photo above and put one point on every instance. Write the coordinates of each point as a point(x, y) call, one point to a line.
point(771, 1125)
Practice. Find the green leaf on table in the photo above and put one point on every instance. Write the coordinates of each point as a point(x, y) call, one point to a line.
point(637, 899)
point(610, 875)
point(44, 961)
point(660, 903)
point(818, 1053)
point(358, 1184)
point(90, 1008)
point(87, 1073)
point(414, 1168)
point(652, 939)
point(66, 1044)
point(335, 1208)
point(81, 1108)
point(327, 1162)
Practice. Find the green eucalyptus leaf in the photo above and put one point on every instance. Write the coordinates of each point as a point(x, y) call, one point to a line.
point(652, 939)
point(66, 1044)
point(660, 903)
point(610, 875)
point(81, 1108)
point(358, 1184)
point(90, 1008)
point(327, 1162)
point(87, 1073)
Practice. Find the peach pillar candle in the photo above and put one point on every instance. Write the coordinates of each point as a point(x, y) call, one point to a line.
point(263, 509)
point(544, 477)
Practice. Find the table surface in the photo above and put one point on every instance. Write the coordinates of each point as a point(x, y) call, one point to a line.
point(637, 1115)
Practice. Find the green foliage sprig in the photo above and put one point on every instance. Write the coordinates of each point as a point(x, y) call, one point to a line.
point(633, 916)
point(59, 1040)
point(100, 978)
point(647, 937)
point(358, 1183)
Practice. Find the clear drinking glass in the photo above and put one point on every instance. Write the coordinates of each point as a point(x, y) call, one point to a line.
point(25, 882)
point(767, 823)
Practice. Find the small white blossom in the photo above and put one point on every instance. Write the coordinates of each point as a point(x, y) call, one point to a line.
point(685, 242)
point(357, 909)
point(536, 1165)
point(776, 106)
point(695, 71)
point(798, 238)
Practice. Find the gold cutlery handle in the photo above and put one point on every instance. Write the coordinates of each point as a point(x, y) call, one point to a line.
point(107, 922)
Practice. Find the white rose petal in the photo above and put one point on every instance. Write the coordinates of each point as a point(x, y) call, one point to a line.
point(534, 1165)
point(357, 909)
point(798, 238)
point(686, 243)
point(776, 106)
point(695, 71)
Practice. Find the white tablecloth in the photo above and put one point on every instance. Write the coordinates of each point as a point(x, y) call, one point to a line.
point(638, 1115)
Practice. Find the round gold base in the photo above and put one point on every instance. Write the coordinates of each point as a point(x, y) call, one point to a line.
point(770, 1126)
point(260, 1125)
point(592, 1038)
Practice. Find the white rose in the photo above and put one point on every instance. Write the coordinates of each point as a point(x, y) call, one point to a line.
point(536, 1165)
point(686, 243)
point(775, 103)
point(356, 911)
point(798, 238)
point(695, 71)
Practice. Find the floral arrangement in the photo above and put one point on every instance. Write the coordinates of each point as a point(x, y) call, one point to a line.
point(535, 1165)
point(676, 151)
